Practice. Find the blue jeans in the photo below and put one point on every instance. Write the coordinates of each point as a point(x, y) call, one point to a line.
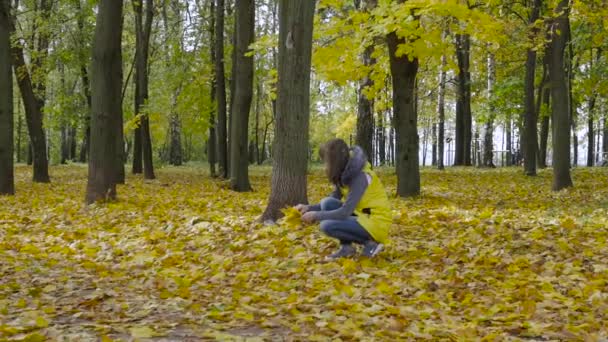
point(348, 230)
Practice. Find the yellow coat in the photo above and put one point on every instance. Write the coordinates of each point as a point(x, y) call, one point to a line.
point(379, 221)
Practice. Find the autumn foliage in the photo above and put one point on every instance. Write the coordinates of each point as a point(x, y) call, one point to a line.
point(481, 254)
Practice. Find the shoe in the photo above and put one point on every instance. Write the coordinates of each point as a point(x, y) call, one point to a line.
point(371, 248)
point(345, 251)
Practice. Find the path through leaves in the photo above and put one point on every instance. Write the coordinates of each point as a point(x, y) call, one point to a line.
point(482, 254)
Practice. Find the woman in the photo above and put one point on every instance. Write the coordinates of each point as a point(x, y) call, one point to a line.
point(365, 216)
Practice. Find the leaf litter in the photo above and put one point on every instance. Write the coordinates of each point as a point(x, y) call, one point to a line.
point(482, 254)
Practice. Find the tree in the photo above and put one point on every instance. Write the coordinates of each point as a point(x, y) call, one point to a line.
point(404, 69)
point(243, 94)
point(559, 98)
point(488, 141)
point(33, 91)
point(7, 181)
point(290, 148)
point(106, 115)
point(530, 118)
point(220, 91)
point(441, 114)
point(142, 139)
point(464, 119)
point(365, 107)
point(591, 112)
point(212, 140)
point(84, 76)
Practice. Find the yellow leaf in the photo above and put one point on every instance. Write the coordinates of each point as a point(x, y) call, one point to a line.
point(34, 337)
point(142, 332)
point(41, 322)
point(293, 217)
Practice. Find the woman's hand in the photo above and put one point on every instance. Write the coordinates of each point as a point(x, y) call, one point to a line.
point(309, 217)
point(302, 208)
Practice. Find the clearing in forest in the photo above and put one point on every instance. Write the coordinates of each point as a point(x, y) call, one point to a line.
point(482, 253)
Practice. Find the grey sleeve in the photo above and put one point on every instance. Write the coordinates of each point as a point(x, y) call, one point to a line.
point(357, 189)
point(337, 194)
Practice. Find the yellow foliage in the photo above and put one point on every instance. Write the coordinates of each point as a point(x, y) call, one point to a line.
point(481, 255)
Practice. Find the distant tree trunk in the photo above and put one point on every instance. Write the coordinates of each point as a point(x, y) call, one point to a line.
point(559, 99)
point(404, 71)
point(441, 114)
point(434, 147)
point(7, 178)
point(106, 115)
point(509, 140)
point(590, 121)
point(243, 95)
point(488, 140)
point(573, 115)
point(220, 97)
point(175, 147)
point(19, 130)
point(33, 94)
point(590, 135)
point(73, 147)
point(212, 140)
point(381, 140)
point(605, 139)
point(365, 108)
point(598, 143)
point(290, 148)
point(86, 87)
point(231, 83)
point(256, 141)
point(65, 148)
point(544, 129)
point(530, 119)
point(142, 44)
point(138, 163)
point(463, 105)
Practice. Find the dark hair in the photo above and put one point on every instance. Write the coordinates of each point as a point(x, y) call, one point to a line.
point(335, 155)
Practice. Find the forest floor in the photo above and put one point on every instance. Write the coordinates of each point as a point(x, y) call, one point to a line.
point(481, 254)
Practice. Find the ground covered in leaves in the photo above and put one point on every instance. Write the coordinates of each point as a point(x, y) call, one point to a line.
point(481, 254)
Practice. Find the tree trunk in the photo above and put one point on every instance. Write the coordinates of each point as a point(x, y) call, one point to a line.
point(175, 145)
point(530, 119)
point(488, 139)
point(258, 95)
point(365, 108)
point(65, 148)
point(441, 114)
point(220, 97)
point(403, 72)
point(142, 44)
point(33, 103)
point(434, 146)
point(19, 129)
point(86, 87)
point(7, 177)
point(463, 104)
point(559, 100)
point(590, 121)
point(605, 140)
point(212, 139)
point(544, 128)
point(509, 140)
point(243, 95)
point(106, 82)
point(381, 140)
point(290, 148)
